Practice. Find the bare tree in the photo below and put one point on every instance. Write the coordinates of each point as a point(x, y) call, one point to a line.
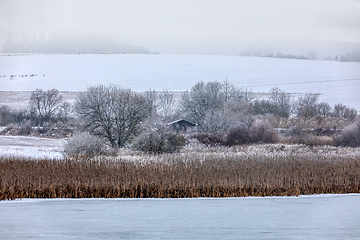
point(340, 110)
point(324, 109)
point(112, 113)
point(307, 105)
point(278, 104)
point(281, 102)
point(45, 103)
point(247, 95)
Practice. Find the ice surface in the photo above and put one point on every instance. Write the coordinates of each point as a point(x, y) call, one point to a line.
point(336, 81)
point(314, 217)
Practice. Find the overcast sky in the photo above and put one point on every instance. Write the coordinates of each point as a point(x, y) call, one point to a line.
point(193, 26)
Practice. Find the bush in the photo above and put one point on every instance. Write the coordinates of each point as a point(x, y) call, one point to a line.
point(158, 139)
point(57, 130)
point(85, 145)
point(9, 116)
point(260, 131)
point(238, 136)
point(209, 139)
point(22, 129)
point(294, 131)
point(309, 137)
point(350, 136)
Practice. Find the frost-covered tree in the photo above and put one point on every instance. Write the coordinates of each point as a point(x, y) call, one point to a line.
point(157, 137)
point(200, 100)
point(203, 99)
point(65, 111)
point(151, 99)
point(112, 113)
point(214, 106)
point(166, 103)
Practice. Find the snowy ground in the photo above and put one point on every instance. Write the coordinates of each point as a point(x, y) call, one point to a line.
point(20, 99)
point(304, 217)
point(335, 81)
point(32, 147)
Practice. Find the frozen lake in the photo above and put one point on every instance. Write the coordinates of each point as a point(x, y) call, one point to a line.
point(335, 81)
point(304, 217)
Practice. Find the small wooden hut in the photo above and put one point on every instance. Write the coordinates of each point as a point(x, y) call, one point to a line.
point(181, 125)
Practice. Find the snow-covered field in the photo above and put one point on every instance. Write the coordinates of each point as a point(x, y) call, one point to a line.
point(31, 147)
point(20, 99)
point(304, 217)
point(335, 81)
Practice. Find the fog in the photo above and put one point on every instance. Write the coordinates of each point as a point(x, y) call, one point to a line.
point(199, 27)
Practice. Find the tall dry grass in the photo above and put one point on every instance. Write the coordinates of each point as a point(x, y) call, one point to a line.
point(196, 172)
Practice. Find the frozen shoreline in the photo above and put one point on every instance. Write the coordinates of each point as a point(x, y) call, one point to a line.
point(330, 195)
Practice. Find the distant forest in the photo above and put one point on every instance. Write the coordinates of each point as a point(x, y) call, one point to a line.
point(70, 44)
point(353, 56)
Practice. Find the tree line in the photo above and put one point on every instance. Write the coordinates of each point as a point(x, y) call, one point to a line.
point(121, 117)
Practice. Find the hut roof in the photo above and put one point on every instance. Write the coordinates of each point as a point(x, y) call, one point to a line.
point(182, 121)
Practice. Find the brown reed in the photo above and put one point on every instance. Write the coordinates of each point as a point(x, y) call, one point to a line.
point(180, 176)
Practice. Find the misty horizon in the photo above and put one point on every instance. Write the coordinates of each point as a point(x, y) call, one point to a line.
point(70, 44)
point(226, 27)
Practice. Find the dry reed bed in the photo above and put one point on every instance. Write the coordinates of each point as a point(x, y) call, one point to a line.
point(265, 170)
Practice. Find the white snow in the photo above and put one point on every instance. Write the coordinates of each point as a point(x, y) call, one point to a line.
point(304, 217)
point(335, 81)
point(31, 147)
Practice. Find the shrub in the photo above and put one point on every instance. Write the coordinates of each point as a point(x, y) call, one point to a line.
point(209, 139)
point(158, 139)
point(24, 128)
point(238, 136)
point(85, 145)
point(350, 136)
point(57, 130)
point(260, 131)
point(309, 140)
point(18, 129)
point(9, 116)
point(294, 131)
